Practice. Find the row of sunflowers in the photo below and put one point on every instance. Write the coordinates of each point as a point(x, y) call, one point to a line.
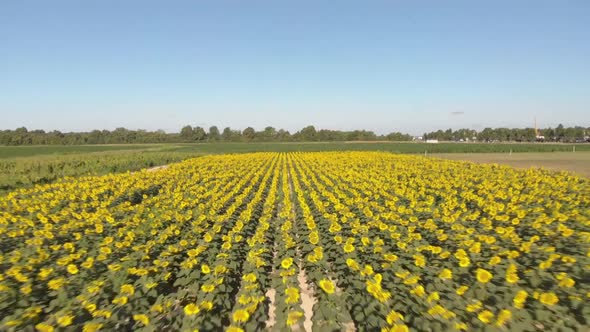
point(241, 242)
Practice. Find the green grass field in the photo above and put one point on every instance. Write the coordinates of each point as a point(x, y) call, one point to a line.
point(397, 147)
point(57, 150)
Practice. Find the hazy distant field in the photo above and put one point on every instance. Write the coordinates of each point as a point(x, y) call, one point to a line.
point(578, 162)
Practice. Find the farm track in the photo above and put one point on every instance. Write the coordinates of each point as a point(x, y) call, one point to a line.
point(307, 294)
point(298, 241)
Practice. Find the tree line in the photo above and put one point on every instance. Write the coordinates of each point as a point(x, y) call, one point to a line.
point(557, 134)
point(189, 134)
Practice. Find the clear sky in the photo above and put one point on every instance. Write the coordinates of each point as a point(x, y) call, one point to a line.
point(410, 66)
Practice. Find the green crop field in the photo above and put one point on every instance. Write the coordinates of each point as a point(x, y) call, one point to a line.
point(396, 147)
point(42, 169)
point(37, 150)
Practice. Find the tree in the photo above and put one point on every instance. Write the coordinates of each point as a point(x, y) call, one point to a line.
point(23, 136)
point(214, 133)
point(549, 133)
point(187, 133)
point(20, 136)
point(199, 134)
point(486, 135)
point(560, 133)
point(269, 133)
point(395, 136)
point(227, 134)
point(528, 134)
point(120, 135)
point(21, 130)
point(249, 133)
point(95, 137)
point(361, 135)
point(283, 135)
point(308, 133)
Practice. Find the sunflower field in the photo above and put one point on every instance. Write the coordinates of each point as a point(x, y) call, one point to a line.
point(242, 242)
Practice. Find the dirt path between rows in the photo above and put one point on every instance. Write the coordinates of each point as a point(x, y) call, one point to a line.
point(157, 168)
point(307, 296)
point(306, 292)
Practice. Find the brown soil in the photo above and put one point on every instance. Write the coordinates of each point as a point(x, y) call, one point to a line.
point(576, 162)
point(157, 168)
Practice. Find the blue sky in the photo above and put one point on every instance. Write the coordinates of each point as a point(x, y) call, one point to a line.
point(386, 66)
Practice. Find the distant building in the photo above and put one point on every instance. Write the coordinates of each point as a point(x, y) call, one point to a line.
point(431, 141)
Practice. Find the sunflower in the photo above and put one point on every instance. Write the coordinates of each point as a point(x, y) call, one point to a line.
point(241, 315)
point(191, 309)
point(327, 286)
point(143, 319)
point(72, 269)
point(446, 274)
point(485, 316)
point(293, 317)
point(548, 299)
point(286, 263)
point(483, 276)
point(65, 320)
